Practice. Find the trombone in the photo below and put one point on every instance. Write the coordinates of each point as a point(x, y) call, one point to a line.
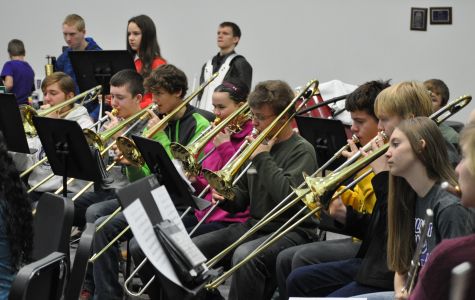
point(127, 146)
point(328, 184)
point(188, 154)
point(318, 187)
point(27, 112)
point(222, 180)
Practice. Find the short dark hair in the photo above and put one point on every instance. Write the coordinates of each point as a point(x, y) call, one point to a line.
point(129, 78)
point(234, 27)
point(236, 89)
point(364, 96)
point(169, 78)
point(16, 48)
point(275, 93)
point(437, 85)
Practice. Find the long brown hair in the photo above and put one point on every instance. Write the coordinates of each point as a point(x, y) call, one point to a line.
point(402, 198)
point(467, 141)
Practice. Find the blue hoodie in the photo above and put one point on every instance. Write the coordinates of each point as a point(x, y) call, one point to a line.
point(63, 64)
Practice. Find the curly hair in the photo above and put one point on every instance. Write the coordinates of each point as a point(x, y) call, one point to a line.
point(169, 78)
point(16, 213)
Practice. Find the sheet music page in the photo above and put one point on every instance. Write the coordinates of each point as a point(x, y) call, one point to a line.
point(168, 210)
point(145, 235)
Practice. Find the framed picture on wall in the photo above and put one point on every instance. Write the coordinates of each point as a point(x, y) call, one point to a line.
point(440, 15)
point(419, 18)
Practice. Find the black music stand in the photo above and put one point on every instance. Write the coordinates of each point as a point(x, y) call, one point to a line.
point(326, 135)
point(11, 125)
point(93, 68)
point(160, 164)
point(67, 150)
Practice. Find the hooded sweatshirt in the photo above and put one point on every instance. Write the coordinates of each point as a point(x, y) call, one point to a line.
point(182, 131)
point(216, 161)
point(63, 63)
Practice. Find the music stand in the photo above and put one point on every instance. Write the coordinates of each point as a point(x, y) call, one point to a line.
point(326, 135)
point(93, 68)
point(141, 189)
point(11, 124)
point(160, 164)
point(67, 150)
point(97, 67)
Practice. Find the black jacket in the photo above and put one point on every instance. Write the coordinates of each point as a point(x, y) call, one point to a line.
point(372, 229)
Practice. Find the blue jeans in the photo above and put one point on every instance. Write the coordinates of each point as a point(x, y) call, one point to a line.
point(88, 199)
point(333, 279)
point(309, 254)
point(104, 278)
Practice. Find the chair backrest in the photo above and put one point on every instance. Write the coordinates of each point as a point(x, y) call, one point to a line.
point(52, 225)
point(79, 266)
point(43, 279)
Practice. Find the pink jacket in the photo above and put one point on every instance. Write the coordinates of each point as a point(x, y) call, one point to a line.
point(216, 161)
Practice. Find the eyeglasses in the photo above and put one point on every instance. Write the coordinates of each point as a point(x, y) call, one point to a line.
point(260, 118)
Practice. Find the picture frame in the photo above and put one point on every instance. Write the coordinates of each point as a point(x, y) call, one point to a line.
point(418, 18)
point(441, 15)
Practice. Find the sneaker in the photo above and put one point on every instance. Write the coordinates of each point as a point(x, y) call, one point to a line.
point(85, 295)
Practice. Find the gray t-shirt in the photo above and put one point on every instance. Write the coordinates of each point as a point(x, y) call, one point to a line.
point(451, 219)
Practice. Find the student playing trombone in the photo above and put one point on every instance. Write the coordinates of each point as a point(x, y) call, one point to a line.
point(57, 88)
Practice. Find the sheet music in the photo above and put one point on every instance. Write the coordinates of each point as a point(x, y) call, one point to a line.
point(145, 235)
point(168, 210)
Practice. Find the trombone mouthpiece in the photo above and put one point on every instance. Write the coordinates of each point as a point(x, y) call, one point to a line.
point(455, 190)
point(114, 112)
point(216, 121)
point(355, 139)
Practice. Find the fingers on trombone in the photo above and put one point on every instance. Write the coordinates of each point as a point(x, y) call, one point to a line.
point(352, 151)
point(215, 197)
point(111, 116)
point(151, 113)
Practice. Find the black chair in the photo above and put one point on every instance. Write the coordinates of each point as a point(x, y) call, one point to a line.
point(43, 279)
point(52, 225)
point(79, 267)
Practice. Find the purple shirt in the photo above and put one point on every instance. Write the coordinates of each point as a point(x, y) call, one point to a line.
point(23, 79)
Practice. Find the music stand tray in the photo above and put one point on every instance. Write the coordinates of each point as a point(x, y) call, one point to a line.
point(67, 150)
point(11, 124)
point(326, 135)
point(159, 163)
point(93, 68)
